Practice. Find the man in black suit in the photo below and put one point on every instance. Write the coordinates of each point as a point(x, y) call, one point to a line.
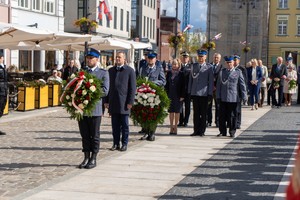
point(69, 70)
point(90, 126)
point(3, 87)
point(217, 66)
point(120, 100)
point(278, 74)
point(186, 109)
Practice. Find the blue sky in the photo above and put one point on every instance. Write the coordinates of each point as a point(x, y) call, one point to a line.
point(197, 14)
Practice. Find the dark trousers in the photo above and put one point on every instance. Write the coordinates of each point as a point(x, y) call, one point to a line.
point(269, 94)
point(3, 100)
point(90, 132)
point(186, 110)
point(120, 123)
point(280, 96)
point(253, 92)
point(263, 95)
point(238, 114)
point(298, 97)
point(209, 111)
point(227, 114)
point(200, 111)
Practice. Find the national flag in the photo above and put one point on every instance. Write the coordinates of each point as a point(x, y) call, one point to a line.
point(243, 43)
point(104, 7)
point(188, 27)
point(218, 36)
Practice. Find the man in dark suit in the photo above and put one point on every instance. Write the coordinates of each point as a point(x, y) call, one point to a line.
point(3, 87)
point(155, 73)
point(298, 82)
point(278, 74)
point(69, 70)
point(120, 100)
point(217, 66)
point(201, 85)
point(231, 87)
point(90, 126)
point(236, 64)
point(186, 109)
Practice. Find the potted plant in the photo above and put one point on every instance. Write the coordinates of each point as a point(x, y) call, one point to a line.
point(86, 24)
point(246, 49)
point(209, 45)
point(176, 40)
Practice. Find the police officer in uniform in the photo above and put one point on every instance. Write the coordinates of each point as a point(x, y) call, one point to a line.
point(200, 88)
point(230, 84)
point(186, 109)
point(236, 63)
point(3, 87)
point(155, 73)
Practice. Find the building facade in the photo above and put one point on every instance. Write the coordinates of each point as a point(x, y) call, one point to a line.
point(239, 21)
point(5, 17)
point(284, 32)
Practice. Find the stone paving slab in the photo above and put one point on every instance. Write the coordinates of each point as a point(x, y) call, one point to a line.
point(135, 173)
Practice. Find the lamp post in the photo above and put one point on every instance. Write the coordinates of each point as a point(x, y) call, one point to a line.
point(176, 30)
point(86, 14)
point(247, 3)
point(209, 21)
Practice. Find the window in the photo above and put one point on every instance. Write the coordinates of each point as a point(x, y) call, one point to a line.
point(36, 5)
point(49, 6)
point(80, 8)
point(298, 4)
point(147, 27)
point(144, 26)
point(150, 35)
point(282, 3)
point(121, 19)
point(107, 23)
point(235, 22)
point(25, 60)
point(298, 25)
point(23, 3)
point(153, 28)
point(282, 25)
point(127, 21)
point(115, 17)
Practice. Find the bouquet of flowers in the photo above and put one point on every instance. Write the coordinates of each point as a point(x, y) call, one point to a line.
point(292, 84)
point(81, 94)
point(151, 105)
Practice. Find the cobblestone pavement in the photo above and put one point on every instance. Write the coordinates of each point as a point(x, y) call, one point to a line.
point(40, 149)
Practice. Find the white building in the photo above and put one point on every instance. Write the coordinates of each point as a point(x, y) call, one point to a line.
point(45, 14)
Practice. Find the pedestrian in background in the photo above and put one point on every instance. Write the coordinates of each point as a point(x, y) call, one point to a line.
point(69, 70)
point(120, 99)
point(254, 80)
point(298, 83)
point(201, 84)
point(263, 86)
point(175, 90)
point(231, 86)
point(186, 108)
point(291, 76)
point(90, 126)
point(3, 87)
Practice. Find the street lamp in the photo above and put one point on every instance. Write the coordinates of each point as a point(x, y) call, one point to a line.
point(247, 3)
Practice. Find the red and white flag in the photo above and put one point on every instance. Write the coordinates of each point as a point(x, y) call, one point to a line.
point(188, 27)
point(243, 43)
point(104, 7)
point(218, 36)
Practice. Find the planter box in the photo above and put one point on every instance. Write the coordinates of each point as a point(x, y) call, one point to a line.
point(5, 112)
point(26, 98)
point(41, 97)
point(54, 95)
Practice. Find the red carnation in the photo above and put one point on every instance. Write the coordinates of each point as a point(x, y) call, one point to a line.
point(81, 73)
point(88, 85)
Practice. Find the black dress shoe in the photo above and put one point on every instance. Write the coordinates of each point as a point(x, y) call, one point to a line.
point(92, 162)
point(185, 125)
point(220, 134)
point(180, 124)
point(172, 133)
point(232, 135)
point(141, 131)
point(115, 147)
point(194, 134)
point(208, 124)
point(85, 161)
point(2, 133)
point(123, 148)
point(238, 127)
point(144, 137)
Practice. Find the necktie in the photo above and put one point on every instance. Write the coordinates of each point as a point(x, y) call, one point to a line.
point(90, 70)
point(119, 68)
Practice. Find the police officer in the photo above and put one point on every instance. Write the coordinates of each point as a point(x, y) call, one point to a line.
point(3, 87)
point(155, 73)
point(230, 84)
point(236, 63)
point(200, 88)
point(186, 109)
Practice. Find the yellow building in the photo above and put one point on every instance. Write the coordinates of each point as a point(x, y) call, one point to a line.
point(284, 30)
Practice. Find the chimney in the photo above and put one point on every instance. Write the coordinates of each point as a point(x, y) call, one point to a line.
point(164, 13)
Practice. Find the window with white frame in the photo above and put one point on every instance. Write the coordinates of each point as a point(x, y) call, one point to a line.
point(298, 24)
point(49, 6)
point(23, 3)
point(282, 22)
point(282, 3)
point(298, 4)
point(36, 5)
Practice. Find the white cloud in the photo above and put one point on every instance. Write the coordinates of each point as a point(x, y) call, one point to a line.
point(197, 11)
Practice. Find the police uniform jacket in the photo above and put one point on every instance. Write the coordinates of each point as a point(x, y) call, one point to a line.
point(3, 81)
point(101, 74)
point(201, 80)
point(231, 85)
point(156, 74)
point(278, 73)
point(122, 89)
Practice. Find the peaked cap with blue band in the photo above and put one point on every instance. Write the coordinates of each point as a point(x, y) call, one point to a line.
point(236, 57)
point(228, 58)
point(201, 52)
point(152, 55)
point(93, 52)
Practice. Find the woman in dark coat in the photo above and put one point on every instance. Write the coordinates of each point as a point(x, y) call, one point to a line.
point(175, 90)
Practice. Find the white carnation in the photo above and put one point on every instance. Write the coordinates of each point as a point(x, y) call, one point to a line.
point(93, 88)
point(150, 99)
point(91, 80)
point(70, 103)
point(73, 95)
point(81, 106)
point(145, 96)
point(85, 102)
point(72, 76)
point(84, 92)
point(67, 97)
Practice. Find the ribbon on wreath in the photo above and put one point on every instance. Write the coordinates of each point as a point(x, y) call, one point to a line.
point(104, 4)
point(79, 81)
